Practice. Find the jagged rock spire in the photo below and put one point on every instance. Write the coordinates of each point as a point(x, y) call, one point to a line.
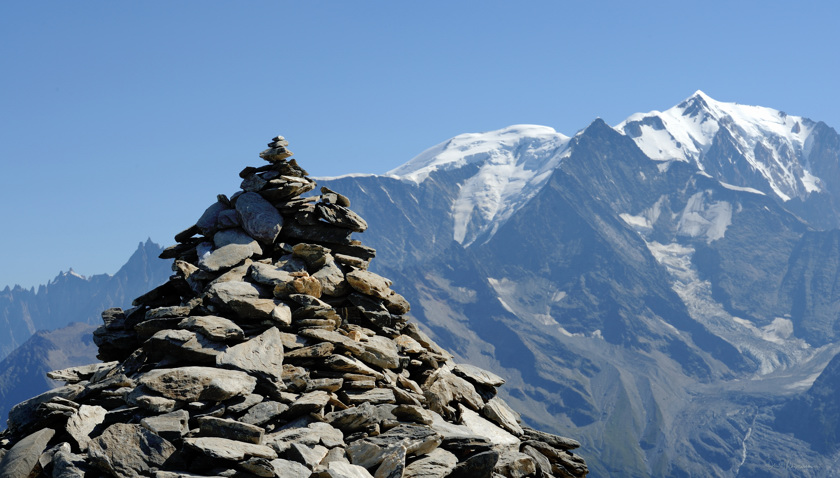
point(273, 351)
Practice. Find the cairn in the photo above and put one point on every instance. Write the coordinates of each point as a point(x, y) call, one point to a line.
point(274, 352)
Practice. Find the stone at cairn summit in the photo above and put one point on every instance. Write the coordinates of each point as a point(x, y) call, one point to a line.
point(273, 351)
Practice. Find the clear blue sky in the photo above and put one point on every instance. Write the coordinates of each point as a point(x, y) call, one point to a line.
point(123, 120)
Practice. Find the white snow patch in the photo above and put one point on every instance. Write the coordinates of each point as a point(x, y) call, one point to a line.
point(704, 218)
point(507, 307)
point(636, 221)
point(739, 188)
point(803, 384)
point(811, 182)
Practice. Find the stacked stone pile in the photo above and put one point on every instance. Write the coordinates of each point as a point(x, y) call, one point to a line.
point(274, 352)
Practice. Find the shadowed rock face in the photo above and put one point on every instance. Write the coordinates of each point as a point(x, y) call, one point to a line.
point(274, 350)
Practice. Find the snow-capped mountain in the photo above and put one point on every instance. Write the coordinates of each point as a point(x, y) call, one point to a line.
point(772, 147)
point(512, 165)
point(657, 287)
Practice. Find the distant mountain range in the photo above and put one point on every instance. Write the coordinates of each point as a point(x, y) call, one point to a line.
point(71, 297)
point(665, 290)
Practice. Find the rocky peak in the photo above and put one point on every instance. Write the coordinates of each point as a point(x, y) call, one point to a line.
point(273, 351)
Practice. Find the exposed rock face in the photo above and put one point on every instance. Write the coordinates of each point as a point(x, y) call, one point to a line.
point(273, 352)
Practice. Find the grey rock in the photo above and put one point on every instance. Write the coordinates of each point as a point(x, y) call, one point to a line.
point(262, 355)
point(258, 466)
point(216, 328)
point(328, 435)
point(368, 283)
point(437, 464)
point(232, 246)
point(232, 450)
point(289, 469)
point(341, 216)
point(183, 344)
point(332, 280)
point(408, 345)
point(144, 398)
point(374, 396)
point(253, 183)
point(269, 275)
point(309, 403)
point(22, 459)
point(78, 374)
point(543, 465)
point(314, 255)
point(561, 443)
point(81, 424)
point(447, 388)
point(310, 456)
point(377, 350)
point(477, 375)
point(190, 384)
point(367, 454)
point(129, 450)
point(227, 292)
point(354, 418)
point(516, 464)
point(264, 412)
point(66, 464)
point(259, 218)
point(228, 218)
point(476, 466)
point(500, 412)
point(240, 404)
point(396, 304)
point(24, 414)
point(231, 429)
point(350, 364)
point(171, 426)
point(346, 470)
point(479, 426)
point(413, 413)
point(417, 439)
point(207, 222)
point(393, 464)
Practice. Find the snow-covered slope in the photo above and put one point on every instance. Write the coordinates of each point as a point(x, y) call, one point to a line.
point(513, 164)
point(774, 144)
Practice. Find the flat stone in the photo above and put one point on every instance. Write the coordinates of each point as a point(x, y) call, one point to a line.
point(259, 218)
point(231, 429)
point(213, 327)
point(82, 423)
point(227, 219)
point(350, 364)
point(561, 443)
point(310, 456)
point(413, 413)
point(396, 304)
point(240, 404)
point(269, 275)
point(477, 375)
point(129, 450)
point(289, 469)
point(374, 396)
point(232, 246)
point(368, 283)
point(22, 459)
point(261, 355)
point(226, 292)
point(323, 349)
point(301, 284)
point(437, 464)
point(341, 216)
point(274, 155)
point(353, 418)
point(500, 412)
point(232, 450)
point(408, 345)
point(142, 397)
point(183, 344)
point(191, 384)
point(170, 426)
point(482, 427)
point(78, 374)
point(328, 435)
point(377, 350)
point(346, 470)
point(331, 278)
point(318, 233)
point(234, 274)
point(264, 412)
point(309, 403)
